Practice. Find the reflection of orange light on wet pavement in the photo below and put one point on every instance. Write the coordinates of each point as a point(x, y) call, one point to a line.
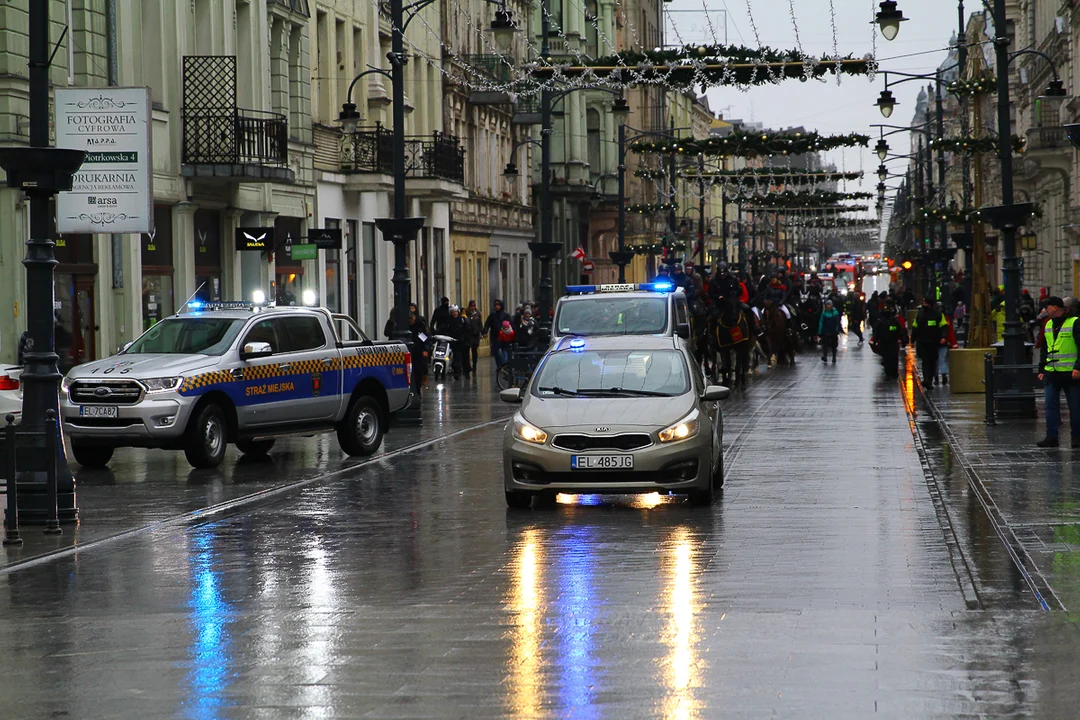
point(525, 661)
point(680, 667)
point(907, 382)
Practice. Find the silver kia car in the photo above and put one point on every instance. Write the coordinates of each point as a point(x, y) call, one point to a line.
point(622, 414)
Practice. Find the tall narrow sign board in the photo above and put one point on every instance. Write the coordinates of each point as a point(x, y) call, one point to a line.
point(113, 191)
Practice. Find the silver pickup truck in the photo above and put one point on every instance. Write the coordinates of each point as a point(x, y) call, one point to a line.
point(199, 380)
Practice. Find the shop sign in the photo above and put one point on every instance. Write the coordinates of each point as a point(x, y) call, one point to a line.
point(325, 238)
point(254, 238)
point(113, 190)
point(303, 252)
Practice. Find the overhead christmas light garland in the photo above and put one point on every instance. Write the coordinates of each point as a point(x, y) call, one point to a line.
point(773, 176)
point(987, 144)
point(651, 208)
point(744, 144)
point(810, 199)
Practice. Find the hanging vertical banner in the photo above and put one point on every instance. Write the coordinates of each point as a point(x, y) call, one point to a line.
point(113, 190)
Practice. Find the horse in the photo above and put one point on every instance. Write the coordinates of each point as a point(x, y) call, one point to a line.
point(702, 345)
point(778, 334)
point(733, 336)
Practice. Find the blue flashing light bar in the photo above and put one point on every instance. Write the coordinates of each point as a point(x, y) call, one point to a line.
point(658, 286)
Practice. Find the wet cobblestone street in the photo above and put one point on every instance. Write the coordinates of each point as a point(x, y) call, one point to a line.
point(846, 572)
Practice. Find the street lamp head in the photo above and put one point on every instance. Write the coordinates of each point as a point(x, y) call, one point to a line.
point(349, 118)
point(886, 103)
point(888, 19)
point(511, 173)
point(882, 149)
point(882, 173)
point(503, 30)
point(620, 109)
point(1056, 89)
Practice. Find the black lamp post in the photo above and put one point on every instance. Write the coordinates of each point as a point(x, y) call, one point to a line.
point(399, 229)
point(41, 172)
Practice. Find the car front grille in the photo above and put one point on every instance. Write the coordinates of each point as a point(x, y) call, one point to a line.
point(625, 442)
point(113, 392)
point(676, 472)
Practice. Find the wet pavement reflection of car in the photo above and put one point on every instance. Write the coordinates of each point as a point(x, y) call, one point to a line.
point(614, 415)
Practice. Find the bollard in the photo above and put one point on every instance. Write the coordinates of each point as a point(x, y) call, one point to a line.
point(11, 521)
point(52, 523)
point(988, 370)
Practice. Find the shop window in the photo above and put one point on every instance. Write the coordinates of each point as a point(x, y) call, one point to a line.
point(288, 273)
point(458, 298)
point(332, 258)
point(438, 236)
point(157, 268)
point(208, 255)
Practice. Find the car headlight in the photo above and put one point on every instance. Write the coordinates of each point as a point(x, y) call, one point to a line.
point(685, 428)
point(156, 385)
point(529, 433)
point(65, 384)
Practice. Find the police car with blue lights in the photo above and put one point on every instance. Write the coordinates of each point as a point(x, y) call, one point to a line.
point(219, 373)
point(658, 308)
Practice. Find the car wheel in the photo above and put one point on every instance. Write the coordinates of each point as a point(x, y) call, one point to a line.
point(254, 447)
point(206, 438)
point(92, 456)
point(718, 475)
point(361, 432)
point(518, 500)
point(702, 498)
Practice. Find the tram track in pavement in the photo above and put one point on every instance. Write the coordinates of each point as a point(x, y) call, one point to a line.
point(239, 504)
point(1036, 582)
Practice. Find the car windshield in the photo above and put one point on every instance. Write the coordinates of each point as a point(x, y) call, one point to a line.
point(189, 336)
point(613, 372)
point(645, 315)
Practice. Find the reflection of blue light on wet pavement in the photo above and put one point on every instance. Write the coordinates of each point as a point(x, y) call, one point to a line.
point(209, 653)
point(575, 619)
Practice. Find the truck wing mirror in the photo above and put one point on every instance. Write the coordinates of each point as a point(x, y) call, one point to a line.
point(254, 350)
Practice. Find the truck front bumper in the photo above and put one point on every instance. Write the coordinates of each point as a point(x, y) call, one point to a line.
point(153, 422)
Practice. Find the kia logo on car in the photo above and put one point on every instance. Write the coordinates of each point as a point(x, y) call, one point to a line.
point(601, 429)
point(102, 392)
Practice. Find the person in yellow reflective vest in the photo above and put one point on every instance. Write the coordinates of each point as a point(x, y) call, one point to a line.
point(928, 334)
point(1059, 369)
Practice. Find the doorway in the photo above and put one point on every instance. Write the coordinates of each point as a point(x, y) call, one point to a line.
point(76, 319)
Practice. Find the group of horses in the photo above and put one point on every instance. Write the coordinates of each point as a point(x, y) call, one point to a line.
point(731, 340)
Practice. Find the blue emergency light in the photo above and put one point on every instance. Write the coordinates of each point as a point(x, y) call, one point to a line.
point(658, 286)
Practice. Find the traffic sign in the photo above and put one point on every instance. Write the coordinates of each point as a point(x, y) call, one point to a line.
point(588, 266)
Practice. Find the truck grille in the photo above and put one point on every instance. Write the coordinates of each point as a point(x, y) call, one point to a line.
point(626, 441)
point(112, 392)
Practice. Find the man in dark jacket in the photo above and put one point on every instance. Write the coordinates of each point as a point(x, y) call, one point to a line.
point(889, 337)
point(527, 335)
point(829, 331)
point(928, 334)
point(856, 314)
point(725, 287)
point(493, 324)
point(440, 317)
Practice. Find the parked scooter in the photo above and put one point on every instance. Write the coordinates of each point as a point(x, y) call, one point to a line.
point(442, 353)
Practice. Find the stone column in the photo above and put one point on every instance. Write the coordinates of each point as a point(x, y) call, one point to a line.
point(183, 227)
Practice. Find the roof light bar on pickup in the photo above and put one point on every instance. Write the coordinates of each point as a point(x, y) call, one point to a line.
point(660, 286)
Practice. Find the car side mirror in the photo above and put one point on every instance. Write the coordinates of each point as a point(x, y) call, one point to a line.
point(254, 350)
point(715, 392)
point(683, 330)
point(510, 395)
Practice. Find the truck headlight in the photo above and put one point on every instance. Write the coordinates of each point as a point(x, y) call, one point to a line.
point(685, 428)
point(528, 433)
point(157, 385)
point(65, 384)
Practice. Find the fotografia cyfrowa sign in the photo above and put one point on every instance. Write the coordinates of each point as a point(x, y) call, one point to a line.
point(113, 190)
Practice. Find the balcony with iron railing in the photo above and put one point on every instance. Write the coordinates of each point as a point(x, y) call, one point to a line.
point(437, 157)
point(1046, 138)
point(221, 141)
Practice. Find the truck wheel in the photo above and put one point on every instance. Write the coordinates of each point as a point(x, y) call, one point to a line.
point(361, 432)
point(92, 456)
point(254, 447)
point(206, 439)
